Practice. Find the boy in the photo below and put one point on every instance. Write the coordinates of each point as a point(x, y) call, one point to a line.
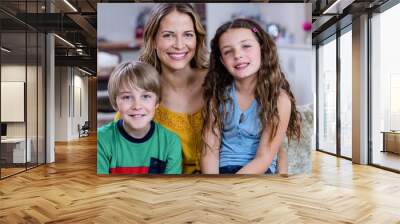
point(135, 144)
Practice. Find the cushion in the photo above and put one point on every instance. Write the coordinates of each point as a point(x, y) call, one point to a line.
point(298, 153)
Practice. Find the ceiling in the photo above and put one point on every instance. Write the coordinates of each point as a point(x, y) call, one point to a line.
point(77, 26)
point(332, 15)
point(76, 22)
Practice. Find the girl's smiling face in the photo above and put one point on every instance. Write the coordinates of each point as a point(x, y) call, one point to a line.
point(240, 52)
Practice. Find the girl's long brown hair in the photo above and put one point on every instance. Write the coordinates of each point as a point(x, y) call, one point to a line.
point(270, 83)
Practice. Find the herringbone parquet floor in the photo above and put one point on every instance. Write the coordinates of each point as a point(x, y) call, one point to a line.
point(69, 191)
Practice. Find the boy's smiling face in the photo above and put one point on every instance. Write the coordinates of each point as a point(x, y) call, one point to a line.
point(137, 108)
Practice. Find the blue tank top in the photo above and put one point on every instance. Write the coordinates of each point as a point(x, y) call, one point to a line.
point(241, 134)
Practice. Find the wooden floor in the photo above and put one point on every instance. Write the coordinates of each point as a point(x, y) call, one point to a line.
point(10, 171)
point(69, 191)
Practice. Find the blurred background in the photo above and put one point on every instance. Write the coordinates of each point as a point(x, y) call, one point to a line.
point(120, 29)
point(51, 46)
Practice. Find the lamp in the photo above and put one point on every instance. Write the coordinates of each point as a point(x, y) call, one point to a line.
point(64, 40)
point(70, 5)
point(337, 7)
point(84, 71)
point(5, 50)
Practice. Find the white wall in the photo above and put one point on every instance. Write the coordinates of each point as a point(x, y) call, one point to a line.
point(61, 103)
point(33, 126)
point(121, 28)
point(296, 57)
point(13, 101)
point(296, 63)
point(216, 18)
point(80, 103)
point(16, 73)
point(117, 21)
point(290, 16)
point(13, 73)
point(67, 117)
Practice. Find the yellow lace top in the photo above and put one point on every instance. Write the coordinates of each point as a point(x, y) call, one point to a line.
point(188, 128)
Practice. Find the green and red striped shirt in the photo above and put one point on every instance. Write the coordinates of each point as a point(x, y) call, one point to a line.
point(159, 151)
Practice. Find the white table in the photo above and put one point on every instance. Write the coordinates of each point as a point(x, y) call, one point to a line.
point(19, 149)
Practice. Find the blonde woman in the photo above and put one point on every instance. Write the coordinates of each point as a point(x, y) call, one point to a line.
point(174, 43)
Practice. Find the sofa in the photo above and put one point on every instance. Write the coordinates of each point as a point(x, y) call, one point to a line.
point(295, 157)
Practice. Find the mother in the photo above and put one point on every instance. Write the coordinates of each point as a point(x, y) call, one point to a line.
point(174, 43)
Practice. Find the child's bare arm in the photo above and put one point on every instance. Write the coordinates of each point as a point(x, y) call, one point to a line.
point(282, 161)
point(267, 149)
point(210, 152)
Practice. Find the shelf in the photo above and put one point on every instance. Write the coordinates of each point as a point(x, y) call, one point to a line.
point(117, 46)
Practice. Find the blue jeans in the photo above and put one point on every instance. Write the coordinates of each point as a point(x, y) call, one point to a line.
point(235, 169)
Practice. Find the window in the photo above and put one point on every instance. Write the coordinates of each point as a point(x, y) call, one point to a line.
point(327, 97)
point(346, 94)
point(385, 89)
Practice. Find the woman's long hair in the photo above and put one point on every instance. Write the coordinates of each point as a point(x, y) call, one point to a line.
point(149, 54)
point(270, 83)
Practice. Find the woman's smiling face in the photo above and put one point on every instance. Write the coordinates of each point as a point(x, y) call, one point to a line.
point(176, 41)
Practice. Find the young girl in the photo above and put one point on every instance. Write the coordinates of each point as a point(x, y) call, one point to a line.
point(250, 107)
